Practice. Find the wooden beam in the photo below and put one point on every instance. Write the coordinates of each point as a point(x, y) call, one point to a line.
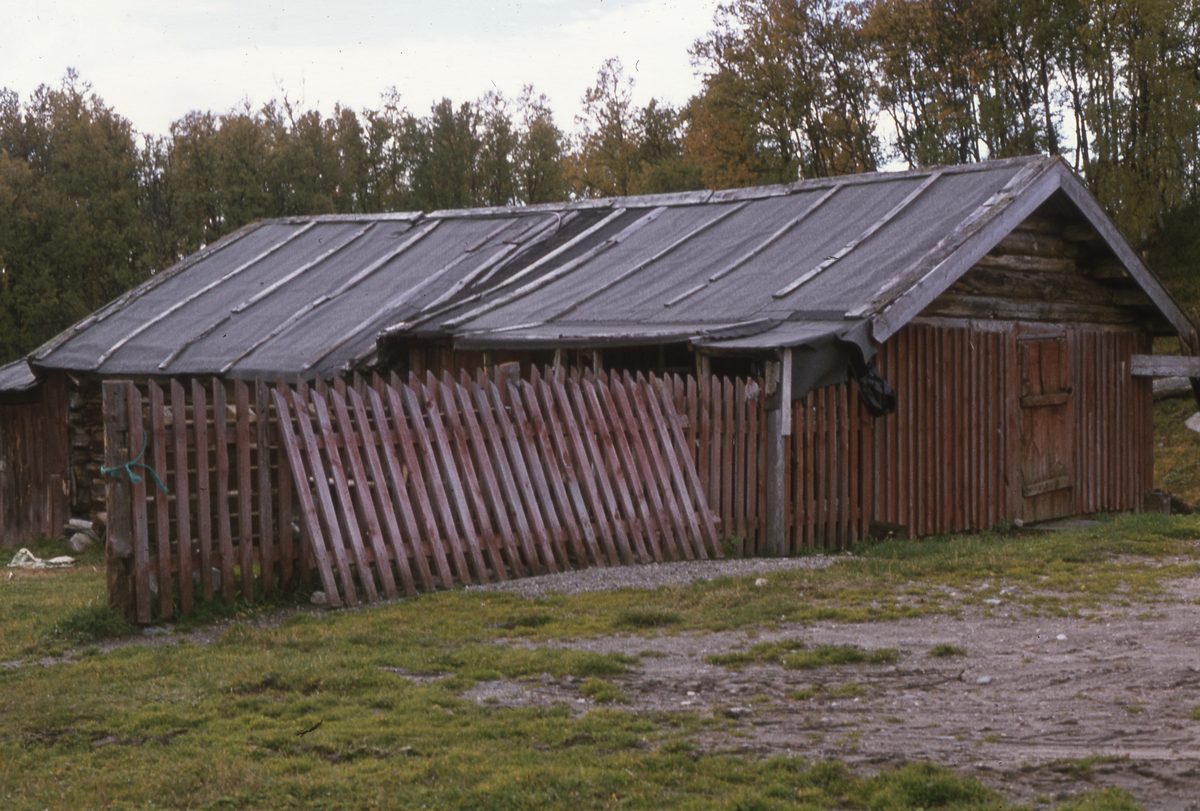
point(779, 428)
point(1164, 366)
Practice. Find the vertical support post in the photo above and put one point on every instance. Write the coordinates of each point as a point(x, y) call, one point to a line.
point(118, 549)
point(779, 429)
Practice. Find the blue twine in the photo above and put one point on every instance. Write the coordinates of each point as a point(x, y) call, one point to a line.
point(129, 466)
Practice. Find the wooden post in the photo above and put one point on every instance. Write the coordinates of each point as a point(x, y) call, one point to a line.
point(779, 428)
point(119, 545)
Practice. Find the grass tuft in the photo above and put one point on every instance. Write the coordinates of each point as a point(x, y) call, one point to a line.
point(92, 623)
point(646, 618)
point(826, 655)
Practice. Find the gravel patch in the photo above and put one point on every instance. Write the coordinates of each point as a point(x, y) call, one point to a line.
point(653, 575)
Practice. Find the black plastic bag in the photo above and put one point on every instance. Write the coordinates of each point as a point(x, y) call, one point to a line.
point(873, 391)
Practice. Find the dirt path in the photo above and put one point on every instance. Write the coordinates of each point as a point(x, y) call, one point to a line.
point(1030, 700)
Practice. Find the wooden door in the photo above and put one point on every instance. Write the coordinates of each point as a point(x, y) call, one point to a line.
point(1047, 425)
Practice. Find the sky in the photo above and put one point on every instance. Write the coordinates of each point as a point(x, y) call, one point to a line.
point(153, 61)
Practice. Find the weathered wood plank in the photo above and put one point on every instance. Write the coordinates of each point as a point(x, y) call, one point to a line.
point(551, 546)
point(562, 451)
point(362, 491)
point(118, 547)
point(509, 555)
point(433, 478)
point(331, 537)
point(203, 487)
point(418, 489)
point(550, 463)
point(470, 481)
point(162, 516)
point(1165, 365)
point(619, 473)
point(666, 426)
point(141, 539)
point(585, 474)
point(524, 514)
point(611, 512)
point(631, 397)
point(343, 506)
point(739, 466)
point(224, 528)
point(308, 510)
point(183, 507)
point(461, 505)
point(697, 505)
point(671, 531)
point(307, 553)
point(266, 517)
point(287, 550)
point(396, 481)
point(245, 491)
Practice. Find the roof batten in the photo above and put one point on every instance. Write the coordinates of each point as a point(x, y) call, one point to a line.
point(565, 246)
point(392, 304)
point(353, 280)
point(967, 226)
point(646, 263)
point(854, 243)
point(558, 273)
point(188, 299)
point(756, 250)
point(492, 262)
point(268, 290)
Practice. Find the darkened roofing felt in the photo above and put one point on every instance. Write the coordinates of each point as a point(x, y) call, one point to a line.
point(743, 270)
point(802, 261)
point(16, 377)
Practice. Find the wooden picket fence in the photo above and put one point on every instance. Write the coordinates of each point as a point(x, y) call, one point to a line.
point(474, 481)
point(382, 488)
point(828, 459)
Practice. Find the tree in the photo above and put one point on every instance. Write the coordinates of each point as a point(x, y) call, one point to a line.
point(605, 159)
point(787, 91)
point(662, 166)
point(82, 239)
point(538, 156)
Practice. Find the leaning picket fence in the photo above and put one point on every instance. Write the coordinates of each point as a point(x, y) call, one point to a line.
point(375, 489)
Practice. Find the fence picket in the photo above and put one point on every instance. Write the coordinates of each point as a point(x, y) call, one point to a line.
point(362, 492)
point(585, 473)
point(224, 536)
point(266, 518)
point(433, 478)
point(508, 557)
point(308, 509)
point(472, 501)
point(484, 479)
point(245, 491)
point(554, 477)
point(162, 518)
point(331, 539)
point(562, 452)
point(183, 509)
point(381, 503)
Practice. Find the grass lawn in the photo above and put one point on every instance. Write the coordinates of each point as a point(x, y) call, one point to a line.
point(363, 709)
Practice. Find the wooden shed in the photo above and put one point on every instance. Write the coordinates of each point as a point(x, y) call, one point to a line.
point(997, 301)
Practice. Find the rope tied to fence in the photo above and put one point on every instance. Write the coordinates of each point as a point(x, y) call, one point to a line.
point(132, 463)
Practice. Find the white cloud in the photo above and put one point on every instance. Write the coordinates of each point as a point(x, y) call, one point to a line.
point(153, 65)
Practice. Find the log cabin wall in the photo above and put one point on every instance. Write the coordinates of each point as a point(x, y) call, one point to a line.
point(34, 472)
